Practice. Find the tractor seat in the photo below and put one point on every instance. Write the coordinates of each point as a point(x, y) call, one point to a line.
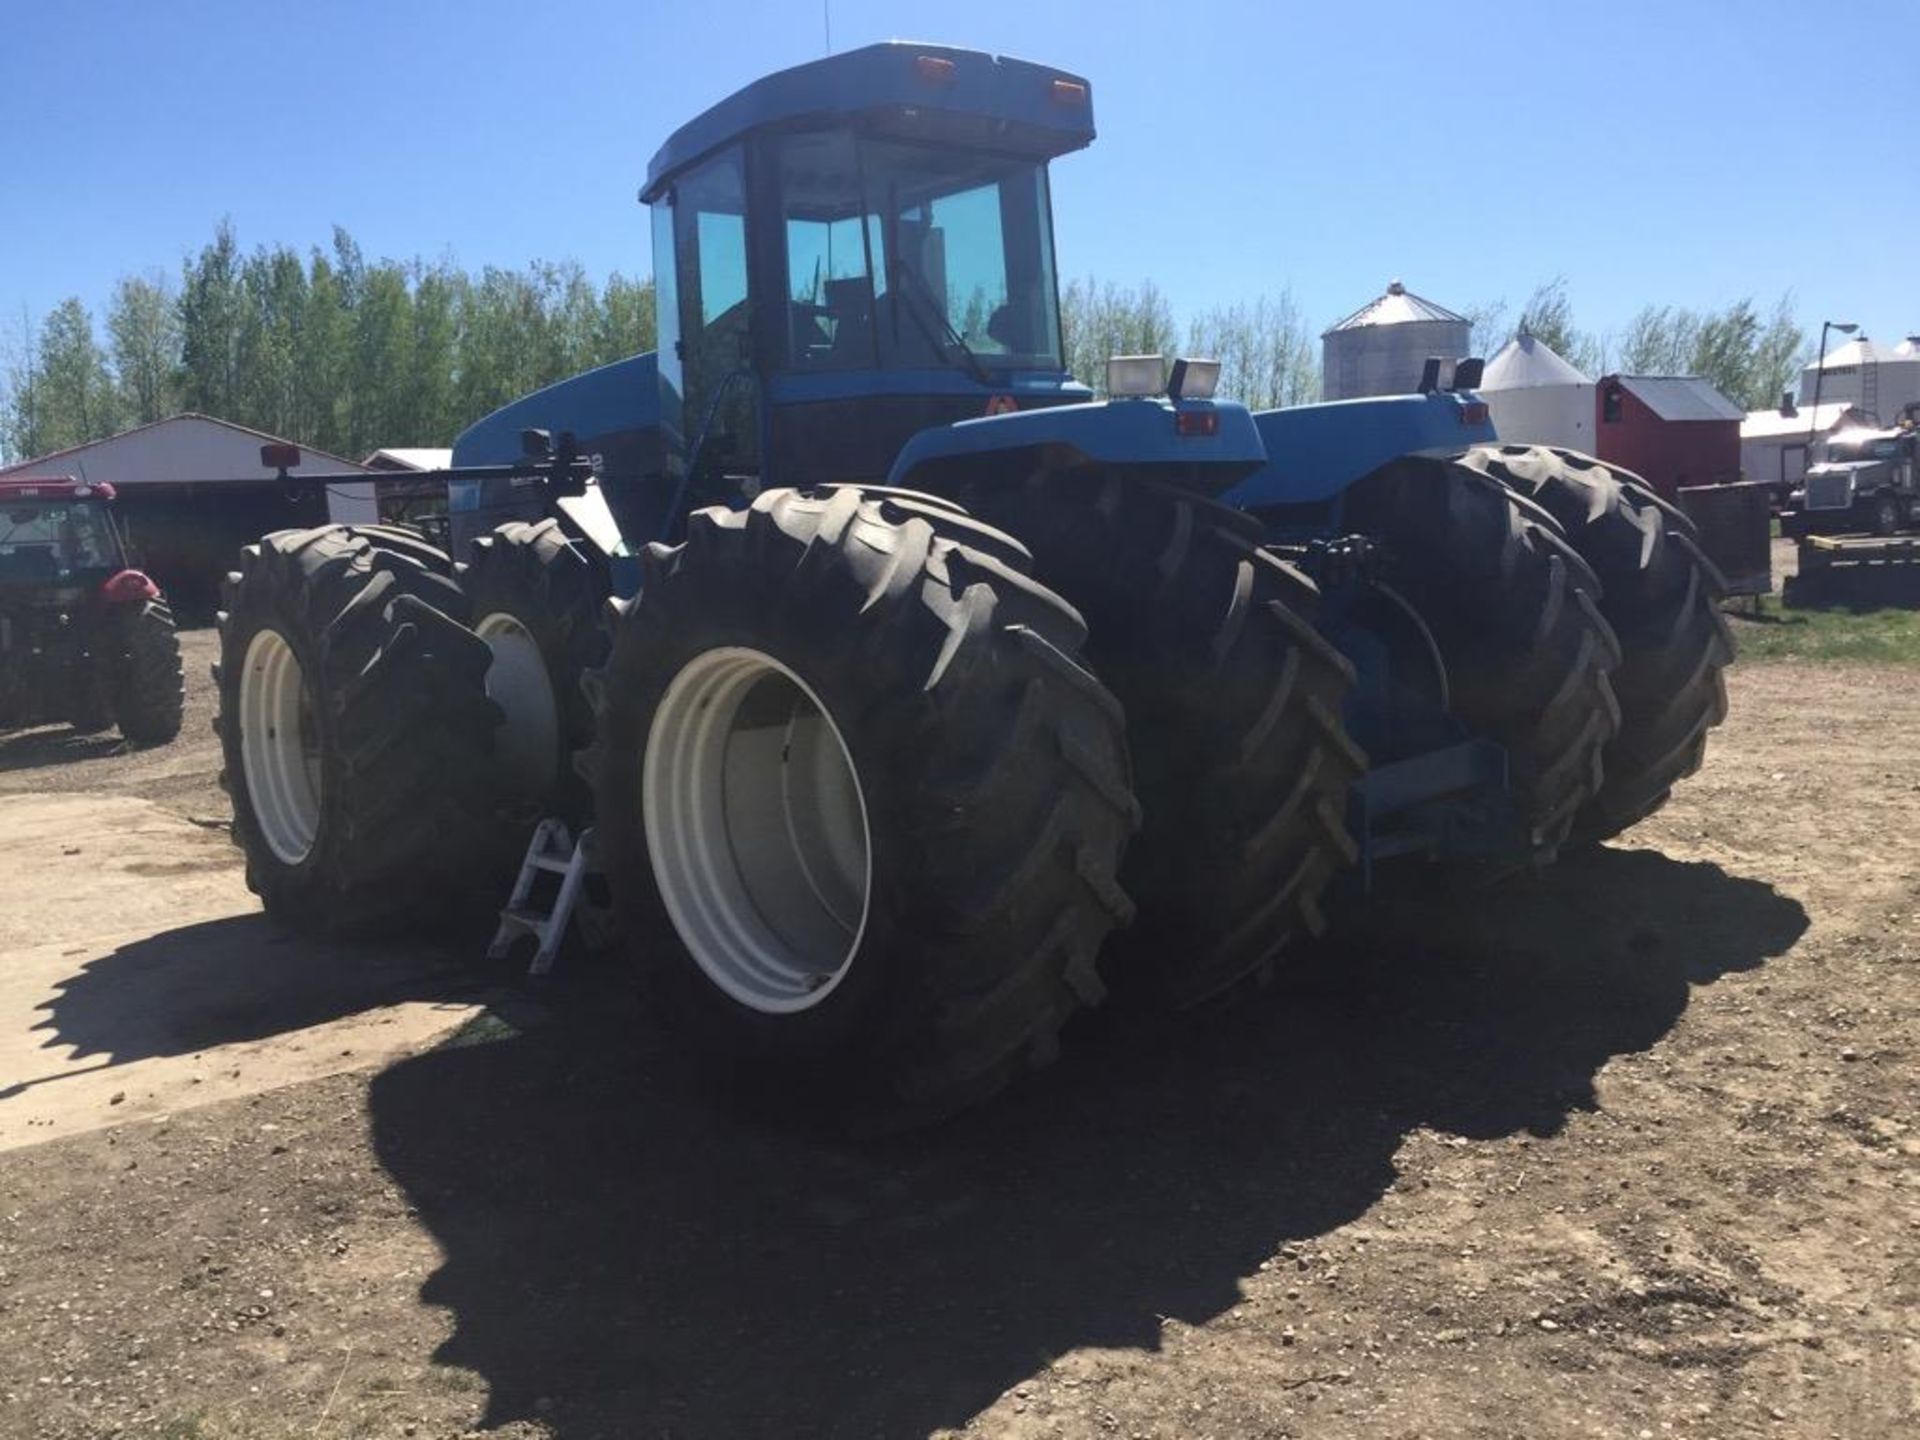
point(850, 307)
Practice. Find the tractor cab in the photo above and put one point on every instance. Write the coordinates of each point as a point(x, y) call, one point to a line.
point(855, 283)
point(854, 250)
point(56, 536)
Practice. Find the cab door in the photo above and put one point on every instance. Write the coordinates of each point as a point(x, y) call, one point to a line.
point(712, 353)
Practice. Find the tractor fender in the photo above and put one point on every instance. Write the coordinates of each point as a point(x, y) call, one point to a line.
point(1316, 451)
point(128, 587)
point(1219, 438)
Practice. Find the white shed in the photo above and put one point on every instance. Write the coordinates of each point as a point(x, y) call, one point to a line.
point(1774, 443)
point(192, 490)
point(1536, 397)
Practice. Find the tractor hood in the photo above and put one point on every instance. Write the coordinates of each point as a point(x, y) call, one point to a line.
point(1318, 450)
point(1212, 445)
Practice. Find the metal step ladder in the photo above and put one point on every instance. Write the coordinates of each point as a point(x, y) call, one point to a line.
point(554, 851)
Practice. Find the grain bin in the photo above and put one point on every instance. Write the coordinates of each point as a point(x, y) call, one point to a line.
point(1381, 347)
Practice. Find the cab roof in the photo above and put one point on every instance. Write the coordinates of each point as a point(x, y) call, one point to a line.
point(935, 93)
point(55, 487)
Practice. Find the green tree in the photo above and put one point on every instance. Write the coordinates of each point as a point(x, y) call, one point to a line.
point(76, 397)
point(1750, 358)
point(1099, 320)
point(323, 359)
point(628, 321)
point(1548, 317)
point(273, 309)
point(1265, 350)
point(211, 304)
point(430, 412)
point(143, 330)
point(20, 408)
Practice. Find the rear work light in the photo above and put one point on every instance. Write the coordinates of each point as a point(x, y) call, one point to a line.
point(1474, 412)
point(1069, 92)
point(1193, 379)
point(934, 69)
point(1132, 377)
point(1196, 424)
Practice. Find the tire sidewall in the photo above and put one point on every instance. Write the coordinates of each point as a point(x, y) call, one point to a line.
point(282, 886)
point(838, 1023)
point(539, 627)
point(506, 581)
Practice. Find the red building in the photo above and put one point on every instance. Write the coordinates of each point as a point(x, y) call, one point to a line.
point(1674, 430)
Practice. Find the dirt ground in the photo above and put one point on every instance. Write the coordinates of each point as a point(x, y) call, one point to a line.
point(1628, 1149)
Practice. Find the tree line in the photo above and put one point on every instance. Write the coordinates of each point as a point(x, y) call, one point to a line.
point(327, 348)
point(1751, 356)
point(344, 354)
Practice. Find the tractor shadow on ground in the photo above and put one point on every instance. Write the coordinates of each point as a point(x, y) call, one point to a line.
point(627, 1256)
point(238, 979)
point(55, 745)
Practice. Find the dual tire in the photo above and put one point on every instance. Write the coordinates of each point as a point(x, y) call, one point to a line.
point(1515, 612)
point(1233, 703)
point(1660, 595)
point(354, 725)
point(851, 763)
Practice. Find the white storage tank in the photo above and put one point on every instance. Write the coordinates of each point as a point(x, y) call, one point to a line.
point(1883, 381)
point(1535, 397)
point(1381, 348)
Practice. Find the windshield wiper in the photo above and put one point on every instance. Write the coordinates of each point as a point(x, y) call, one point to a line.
point(955, 346)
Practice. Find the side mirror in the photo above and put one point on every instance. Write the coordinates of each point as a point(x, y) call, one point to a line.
point(536, 444)
point(280, 457)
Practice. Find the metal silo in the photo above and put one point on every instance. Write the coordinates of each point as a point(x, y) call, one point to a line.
point(1381, 347)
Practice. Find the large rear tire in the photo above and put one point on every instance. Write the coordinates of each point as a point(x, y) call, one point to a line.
point(149, 694)
point(537, 599)
point(1661, 595)
point(859, 804)
point(1514, 612)
point(1233, 707)
point(354, 725)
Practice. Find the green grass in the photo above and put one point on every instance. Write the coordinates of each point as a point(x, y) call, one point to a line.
point(1866, 637)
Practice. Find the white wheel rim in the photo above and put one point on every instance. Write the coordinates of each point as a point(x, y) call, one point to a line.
point(527, 746)
point(757, 829)
point(279, 747)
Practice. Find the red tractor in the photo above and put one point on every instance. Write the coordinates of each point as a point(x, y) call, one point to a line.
point(83, 637)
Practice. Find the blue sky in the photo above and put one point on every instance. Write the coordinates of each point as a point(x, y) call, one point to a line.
point(1683, 152)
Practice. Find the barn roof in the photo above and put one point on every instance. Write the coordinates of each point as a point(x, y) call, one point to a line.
point(409, 457)
point(1399, 306)
point(1527, 362)
point(1771, 424)
point(1681, 397)
point(132, 456)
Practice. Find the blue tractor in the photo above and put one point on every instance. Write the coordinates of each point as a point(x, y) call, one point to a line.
point(912, 697)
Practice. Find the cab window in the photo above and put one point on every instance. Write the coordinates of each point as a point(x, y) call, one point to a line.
point(710, 264)
point(825, 235)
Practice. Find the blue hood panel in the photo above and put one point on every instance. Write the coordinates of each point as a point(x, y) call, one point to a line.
point(1108, 432)
point(1316, 451)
